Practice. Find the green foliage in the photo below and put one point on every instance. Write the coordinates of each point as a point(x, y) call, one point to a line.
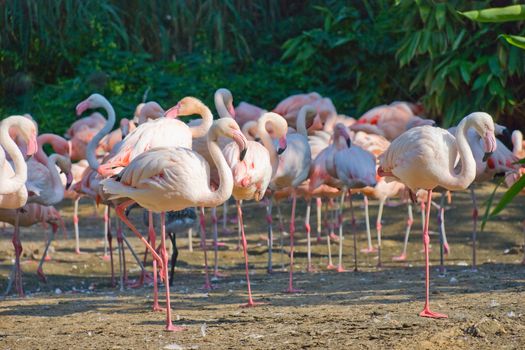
point(498, 14)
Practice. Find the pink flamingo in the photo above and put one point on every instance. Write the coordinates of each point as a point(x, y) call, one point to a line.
point(31, 213)
point(148, 111)
point(289, 107)
point(246, 112)
point(94, 121)
point(290, 168)
point(13, 192)
point(424, 158)
point(252, 172)
point(391, 120)
point(167, 179)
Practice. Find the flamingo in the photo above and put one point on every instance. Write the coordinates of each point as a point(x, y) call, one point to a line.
point(94, 121)
point(424, 158)
point(291, 165)
point(391, 120)
point(289, 108)
point(252, 173)
point(31, 213)
point(13, 192)
point(164, 179)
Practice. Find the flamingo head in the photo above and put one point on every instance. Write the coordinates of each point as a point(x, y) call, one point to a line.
point(484, 126)
point(341, 131)
point(93, 101)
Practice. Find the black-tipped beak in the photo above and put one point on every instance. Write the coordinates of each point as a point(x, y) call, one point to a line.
point(280, 150)
point(486, 156)
point(257, 139)
point(69, 180)
point(243, 154)
point(348, 143)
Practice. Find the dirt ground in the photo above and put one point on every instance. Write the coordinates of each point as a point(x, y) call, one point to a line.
point(369, 309)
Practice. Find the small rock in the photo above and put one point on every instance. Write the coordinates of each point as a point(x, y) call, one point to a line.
point(486, 327)
point(511, 251)
point(58, 291)
point(173, 346)
point(511, 314)
point(494, 303)
point(462, 263)
point(90, 334)
point(453, 280)
point(203, 329)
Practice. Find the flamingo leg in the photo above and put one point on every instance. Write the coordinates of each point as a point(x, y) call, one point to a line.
point(190, 239)
point(106, 225)
point(426, 240)
point(216, 273)
point(319, 204)
point(207, 284)
point(370, 248)
point(75, 224)
point(379, 227)
point(474, 227)
point(281, 229)
point(245, 253)
point(174, 256)
point(270, 233)
point(330, 265)
point(239, 238)
point(354, 228)
point(152, 238)
point(309, 267)
point(110, 243)
point(291, 289)
point(169, 325)
point(523, 228)
point(225, 229)
point(340, 267)
point(18, 251)
point(39, 270)
point(410, 220)
point(441, 224)
point(121, 257)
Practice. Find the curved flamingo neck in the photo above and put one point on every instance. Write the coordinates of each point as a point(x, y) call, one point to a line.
point(301, 119)
point(224, 191)
point(55, 141)
point(266, 139)
point(468, 164)
point(14, 183)
point(517, 142)
point(223, 98)
point(93, 144)
point(56, 182)
point(202, 129)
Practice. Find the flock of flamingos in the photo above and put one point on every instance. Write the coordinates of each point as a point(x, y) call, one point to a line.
point(302, 148)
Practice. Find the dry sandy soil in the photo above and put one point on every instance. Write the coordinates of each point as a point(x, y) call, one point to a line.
point(369, 309)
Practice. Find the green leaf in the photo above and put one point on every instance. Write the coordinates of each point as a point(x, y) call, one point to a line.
point(481, 81)
point(497, 14)
point(509, 195)
point(464, 69)
point(515, 40)
point(424, 12)
point(440, 15)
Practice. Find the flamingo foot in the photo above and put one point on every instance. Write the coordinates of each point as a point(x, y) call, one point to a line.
point(265, 238)
point(330, 267)
point(319, 240)
point(219, 274)
point(369, 250)
point(446, 248)
point(172, 328)
point(334, 237)
point(48, 258)
point(293, 290)
point(402, 257)
point(311, 268)
point(106, 258)
point(78, 252)
point(340, 268)
point(252, 303)
point(219, 244)
point(157, 308)
point(41, 276)
point(427, 313)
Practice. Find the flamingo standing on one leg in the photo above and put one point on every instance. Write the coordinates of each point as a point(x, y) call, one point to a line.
point(424, 158)
point(164, 179)
point(13, 192)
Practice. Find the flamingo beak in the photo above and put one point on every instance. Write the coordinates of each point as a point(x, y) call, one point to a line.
point(69, 180)
point(282, 145)
point(32, 145)
point(173, 112)
point(489, 144)
point(242, 142)
point(81, 107)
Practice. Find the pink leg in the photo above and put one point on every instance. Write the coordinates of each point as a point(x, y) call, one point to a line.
point(269, 221)
point(474, 228)
point(379, 228)
point(291, 289)
point(426, 240)
point(319, 204)
point(152, 239)
point(216, 244)
point(169, 325)
point(309, 267)
point(354, 228)
point(110, 244)
point(340, 267)
point(75, 224)
point(410, 221)
point(207, 284)
point(245, 252)
point(39, 270)
point(370, 248)
point(330, 265)
point(106, 229)
point(122, 256)
point(523, 228)
point(18, 251)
